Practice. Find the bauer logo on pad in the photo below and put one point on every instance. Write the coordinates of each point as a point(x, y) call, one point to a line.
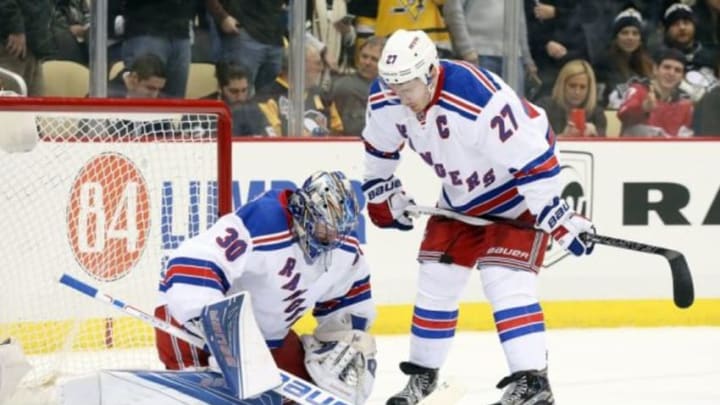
point(108, 216)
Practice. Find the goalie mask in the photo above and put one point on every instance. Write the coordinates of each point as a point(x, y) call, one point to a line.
point(325, 211)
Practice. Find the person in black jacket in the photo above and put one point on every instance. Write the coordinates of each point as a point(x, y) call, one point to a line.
point(251, 35)
point(25, 39)
point(160, 27)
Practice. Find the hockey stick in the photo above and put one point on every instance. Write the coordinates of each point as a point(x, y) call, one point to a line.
point(683, 291)
point(292, 387)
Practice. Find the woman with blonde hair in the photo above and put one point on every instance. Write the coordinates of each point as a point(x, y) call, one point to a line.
point(572, 108)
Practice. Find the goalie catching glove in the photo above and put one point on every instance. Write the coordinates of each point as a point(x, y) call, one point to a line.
point(342, 363)
point(386, 203)
point(566, 227)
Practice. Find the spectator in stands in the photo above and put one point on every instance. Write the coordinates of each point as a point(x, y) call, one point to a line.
point(627, 58)
point(234, 90)
point(161, 27)
point(572, 109)
point(350, 92)
point(69, 27)
point(321, 116)
point(706, 116)
point(553, 40)
point(364, 24)
point(251, 35)
point(680, 23)
point(413, 15)
point(477, 32)
point(658, 107)
point(331, 24)
point(145, 78)
point(25, 39)
point(708, 28)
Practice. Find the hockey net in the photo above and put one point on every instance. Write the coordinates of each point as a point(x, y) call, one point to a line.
point(110, 188)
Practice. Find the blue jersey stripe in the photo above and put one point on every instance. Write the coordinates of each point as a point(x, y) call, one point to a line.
point(436, 315)
point(525, 330)
point(517, 311)
point(482, 198)
point(460, 111)
point(274, 246)
point(432, 334)
point(201, 263)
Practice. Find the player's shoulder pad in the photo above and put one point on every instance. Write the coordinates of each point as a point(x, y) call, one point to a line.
point(467, 89)
point(266, 215)
point(381, 96)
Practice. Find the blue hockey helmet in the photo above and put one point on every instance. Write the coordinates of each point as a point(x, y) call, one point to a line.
point(325, 211)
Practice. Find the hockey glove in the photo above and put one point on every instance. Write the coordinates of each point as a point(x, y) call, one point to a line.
point(386, 203)
point(342, 362)
point(566, 226)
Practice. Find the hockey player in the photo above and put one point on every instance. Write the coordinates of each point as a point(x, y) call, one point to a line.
point(495, 154)
point(294, 251)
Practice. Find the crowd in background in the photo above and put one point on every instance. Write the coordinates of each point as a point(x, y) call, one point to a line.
point(652, 65)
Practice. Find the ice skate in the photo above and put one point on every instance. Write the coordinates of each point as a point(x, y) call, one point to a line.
point(530, 387)
point(422, 382)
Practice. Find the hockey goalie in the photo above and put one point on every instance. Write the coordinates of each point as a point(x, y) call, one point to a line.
point(283, 254)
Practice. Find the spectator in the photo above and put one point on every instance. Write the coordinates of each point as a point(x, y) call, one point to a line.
point(552, 43)
point(25, 39)
point(477, 32)
point(251, 35)
point(161, 27)
point(680, 23)
point(706, 120)
point(234, 90)
point(350, 93)
point(659, 107)
point(69, 27)
point(331, 24)
point(414, 15)
point(627, 58)
point(320, 117)
point(364, 24)
point(145, 78)
point(572, 109)
point(708, 28)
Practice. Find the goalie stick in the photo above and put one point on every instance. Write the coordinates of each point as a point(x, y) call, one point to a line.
point(292, 387)
point(683, 291)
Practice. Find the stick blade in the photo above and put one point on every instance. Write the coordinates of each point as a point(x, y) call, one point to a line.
point(683, 290)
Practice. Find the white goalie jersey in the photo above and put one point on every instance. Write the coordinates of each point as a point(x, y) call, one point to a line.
point(494, 152)
point(253, 249)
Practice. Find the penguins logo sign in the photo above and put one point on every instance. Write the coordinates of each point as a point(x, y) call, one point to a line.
point(576, 175)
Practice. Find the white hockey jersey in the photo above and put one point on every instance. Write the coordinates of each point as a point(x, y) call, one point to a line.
point(253, 249)
point(494, 152)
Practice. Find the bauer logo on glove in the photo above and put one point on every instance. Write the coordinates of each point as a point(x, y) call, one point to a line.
point(387, 203)
point(566, 227)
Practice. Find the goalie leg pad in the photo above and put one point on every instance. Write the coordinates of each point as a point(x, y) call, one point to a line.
point(342, 362)
point(290, 356)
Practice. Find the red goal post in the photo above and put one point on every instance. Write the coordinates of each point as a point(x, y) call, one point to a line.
point(110, 187)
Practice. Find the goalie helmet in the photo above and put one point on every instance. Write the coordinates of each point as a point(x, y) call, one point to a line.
point(325, 211)
point(408, 55)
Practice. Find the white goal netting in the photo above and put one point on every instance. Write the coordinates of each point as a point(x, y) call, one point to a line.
point(108, 190)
